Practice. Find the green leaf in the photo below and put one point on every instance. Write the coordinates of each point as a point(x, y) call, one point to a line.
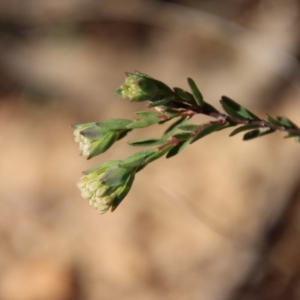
point(273, 121)
point(94, 132)
point(243, 128)
point(287, 122)
point(207, 129)
point(103, 144)
point(177, 149)
point(163, 101)
point(139, 73)
point(236, 110)
point(147, 142)
point(170, 112)
point(123, 193)
point(173, 127)
point(188, 127)
point(159, 153)
point(123, 133)
point(145, 114)
point(197, 94)
point(208, 109)
point(144, 122)
point(293, 134)
point(183, 94)
point(118, 92)
point(226, 125)
point(257, 133)
point(115, 176)
point(85, 125)
point(163, 88)
point(114, 124)
point(231, 112)
point(136, 159)
point(105, 165)
point(182, 136)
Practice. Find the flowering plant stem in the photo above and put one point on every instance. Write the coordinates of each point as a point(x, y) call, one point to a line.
point(106, 185)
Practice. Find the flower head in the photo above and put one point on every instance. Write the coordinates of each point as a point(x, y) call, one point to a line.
point(106, 185)
point(97, 137)
point(93, 139)
point(140, 87)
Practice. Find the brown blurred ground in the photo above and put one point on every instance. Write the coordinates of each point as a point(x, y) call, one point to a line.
point(219, 221)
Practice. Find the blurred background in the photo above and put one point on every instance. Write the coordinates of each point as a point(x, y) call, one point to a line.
point(219, 221)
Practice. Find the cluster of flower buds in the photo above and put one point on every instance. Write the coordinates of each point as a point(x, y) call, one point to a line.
point(95, 138)
point(106, 185)
point(141, 87)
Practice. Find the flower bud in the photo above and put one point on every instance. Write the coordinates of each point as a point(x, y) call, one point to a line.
point(93, 139)
point(140, 87)
point(106, 186)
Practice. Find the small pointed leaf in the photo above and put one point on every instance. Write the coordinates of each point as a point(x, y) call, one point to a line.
point(183, 94)
point(257, 133)
point(115, 176)
point(118, 92)
point(177, 149)
point(243, 128)
point(136, 159)
point(273, 121)
point(183, 136)
point(295, 135)
point(231, 112)
point(143, 122)
point(163, 88)
point(159, 153)
point(207, 129)
point(114, 124)
point(287, 122)
point(122, 194)
point(188, 127)
point(123, 133)
point(105, 165)
point(170, 112)
point(197, 94)
point(291, 134)
point(104, 144)
point(208, 109)
point(163, 101)
point(147, 142)
point(146, 114)
point(173, 127)
point(236, 110)
point(94, 132)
